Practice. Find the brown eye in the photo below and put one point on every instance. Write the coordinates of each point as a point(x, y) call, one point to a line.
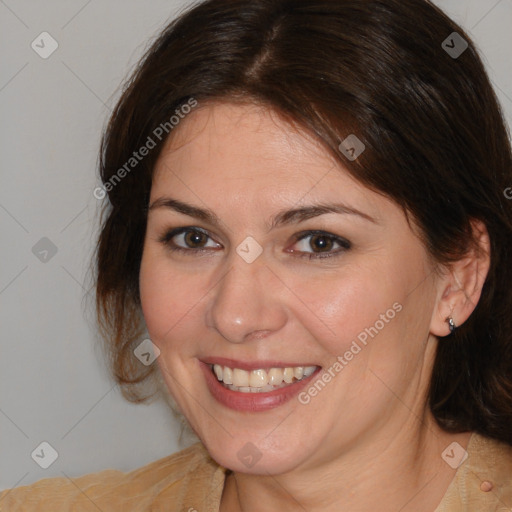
point(322, 243)
point(188, 239)
point(319, 244)
point(195, 239)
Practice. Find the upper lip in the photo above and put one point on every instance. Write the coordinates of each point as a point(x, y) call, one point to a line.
point(253, 364)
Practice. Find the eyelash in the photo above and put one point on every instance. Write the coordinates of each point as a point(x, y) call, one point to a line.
point(166, 240)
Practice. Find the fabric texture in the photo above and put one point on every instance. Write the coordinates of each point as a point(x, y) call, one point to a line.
point(190, 481)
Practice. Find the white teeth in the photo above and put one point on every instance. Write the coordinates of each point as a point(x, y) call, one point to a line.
point(240, 377)
point(309, 370)
point(288, 375)
point(227, 375)
point(260, 380)
point(275, 376)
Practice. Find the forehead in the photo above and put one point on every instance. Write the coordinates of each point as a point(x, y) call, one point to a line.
point(233, 132)
point(247, 152)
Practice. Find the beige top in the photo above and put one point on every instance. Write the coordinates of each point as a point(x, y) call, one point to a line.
point(190, 481)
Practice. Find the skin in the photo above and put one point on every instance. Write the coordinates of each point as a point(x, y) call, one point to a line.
point(367, 440)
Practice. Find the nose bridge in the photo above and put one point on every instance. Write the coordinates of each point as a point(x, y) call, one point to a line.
point(246, 301)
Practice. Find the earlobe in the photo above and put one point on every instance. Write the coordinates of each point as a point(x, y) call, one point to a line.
point(461, 285)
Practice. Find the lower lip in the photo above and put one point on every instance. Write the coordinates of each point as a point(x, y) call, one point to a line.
point(252, 402)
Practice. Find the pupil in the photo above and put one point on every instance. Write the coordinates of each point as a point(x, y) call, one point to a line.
point(322, 242)
point(194, 238)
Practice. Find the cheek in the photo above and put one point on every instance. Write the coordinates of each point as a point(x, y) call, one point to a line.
point(340, 307)
point(168, 298)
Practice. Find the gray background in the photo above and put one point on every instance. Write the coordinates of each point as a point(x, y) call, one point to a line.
point(53, 384)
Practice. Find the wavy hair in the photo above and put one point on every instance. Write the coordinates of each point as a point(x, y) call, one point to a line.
point(436, 144)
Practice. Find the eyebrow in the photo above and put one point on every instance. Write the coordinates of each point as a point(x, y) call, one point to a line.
point(282, 218)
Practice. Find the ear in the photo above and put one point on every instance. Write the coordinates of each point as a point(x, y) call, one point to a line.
point(460, 286)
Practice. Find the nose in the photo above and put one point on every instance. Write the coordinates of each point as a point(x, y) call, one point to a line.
point(248, 303)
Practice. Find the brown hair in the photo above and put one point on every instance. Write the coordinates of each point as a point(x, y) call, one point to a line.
point(436, 144)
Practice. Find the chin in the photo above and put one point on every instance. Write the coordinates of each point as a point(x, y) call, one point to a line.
point(256, 457)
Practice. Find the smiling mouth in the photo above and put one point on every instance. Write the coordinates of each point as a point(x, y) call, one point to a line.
point(261, 380)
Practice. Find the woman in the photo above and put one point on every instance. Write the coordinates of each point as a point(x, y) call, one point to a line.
point(308, 213)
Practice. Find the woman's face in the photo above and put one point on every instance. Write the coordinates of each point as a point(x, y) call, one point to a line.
point(285, 262)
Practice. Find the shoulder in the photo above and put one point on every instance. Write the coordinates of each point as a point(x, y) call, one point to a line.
point(189, 474)
point(483, 481)
point(491, 461)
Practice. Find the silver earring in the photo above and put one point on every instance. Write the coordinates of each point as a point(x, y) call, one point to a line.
point(451, 324)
